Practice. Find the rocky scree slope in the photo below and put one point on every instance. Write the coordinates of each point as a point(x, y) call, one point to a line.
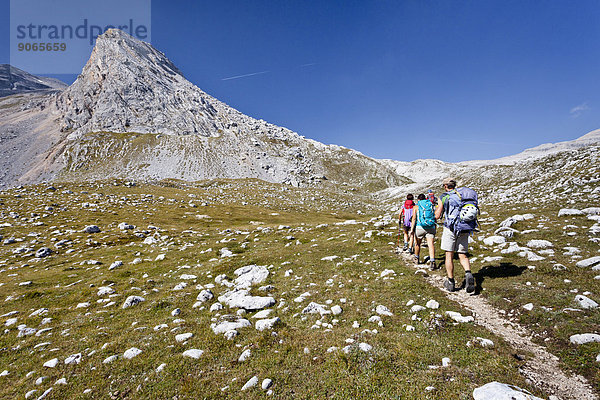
point(532, 176)
point(131, 113)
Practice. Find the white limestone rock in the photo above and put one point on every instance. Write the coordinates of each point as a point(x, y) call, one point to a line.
point(268, 323)
point(73, 359)
point(588, 262)
point(110, 359)
point(245, 355)
point(193, 353)
point(241, 299)
point(266, 384)
point(51, 363)
point(262, 314)
point(432, 304)
point(336, 310)
point(183, 337)
point(492, 240)
point(539, 244)
point(225, 326)
point(569, 212)
point(502, 391)
point(132, 352)
point(91, 229)
point(251, 383)
point(458, 317)
point(383, 310)
point(105, 291)
point(132, 301)
point(585, 302)
point(205, 295)
point(584, 338)
point(315, 308)
point(250, 275)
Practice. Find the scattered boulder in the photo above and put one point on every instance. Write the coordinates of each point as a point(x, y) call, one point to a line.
point(539, 244)
point(250, 275)
point(193, 353)
point(132, 301)
point(588, 262)
point(43, 252)
point(225, 326)
point(585, 302)
point(569, 212)
point(315, 308)
point(268, 323)
point(584, 338)
point(73, 359)
point(132, 352)
point(91, 229)
point(502, 391)
point(492, 240)
point(251, 383)
point(241, 299)
point(458, 317)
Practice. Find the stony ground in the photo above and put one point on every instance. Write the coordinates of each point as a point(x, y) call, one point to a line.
point(243, 289)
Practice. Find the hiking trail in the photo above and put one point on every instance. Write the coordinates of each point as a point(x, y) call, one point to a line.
point(542, 368)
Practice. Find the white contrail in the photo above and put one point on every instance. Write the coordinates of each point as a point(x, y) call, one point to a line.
point(245, 75)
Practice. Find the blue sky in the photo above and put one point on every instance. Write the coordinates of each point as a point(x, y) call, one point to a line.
point(452, 80)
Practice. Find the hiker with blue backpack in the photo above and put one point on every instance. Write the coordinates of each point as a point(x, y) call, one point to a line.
point(424, 226)
point(406, 213)
point(460, 208)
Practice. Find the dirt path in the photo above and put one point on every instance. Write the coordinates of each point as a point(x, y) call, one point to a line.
point(542, 369)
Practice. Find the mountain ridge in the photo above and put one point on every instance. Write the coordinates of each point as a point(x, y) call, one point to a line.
point(132, 114)
point(15, 81)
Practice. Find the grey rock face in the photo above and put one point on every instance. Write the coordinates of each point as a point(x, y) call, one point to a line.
point(175, 130)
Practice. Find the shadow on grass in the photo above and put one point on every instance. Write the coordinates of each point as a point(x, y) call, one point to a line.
point(504, 270)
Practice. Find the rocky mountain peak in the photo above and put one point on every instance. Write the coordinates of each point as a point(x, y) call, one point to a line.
point(129, 86)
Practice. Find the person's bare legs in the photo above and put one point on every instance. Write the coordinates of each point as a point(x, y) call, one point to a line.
point(450, 264)
point(464, 261)
point(418, 247)
point(431, 249)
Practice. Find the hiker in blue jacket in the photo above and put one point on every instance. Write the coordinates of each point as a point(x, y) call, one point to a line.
point(424, 226)
point(455, 236)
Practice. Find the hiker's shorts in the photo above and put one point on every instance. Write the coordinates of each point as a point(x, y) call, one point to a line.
point(422, 232)
point(451, 242)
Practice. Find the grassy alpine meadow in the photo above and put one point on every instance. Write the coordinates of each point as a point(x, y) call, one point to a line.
point(65, 331)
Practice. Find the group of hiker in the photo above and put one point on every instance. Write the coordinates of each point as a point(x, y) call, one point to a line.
point(418, 221)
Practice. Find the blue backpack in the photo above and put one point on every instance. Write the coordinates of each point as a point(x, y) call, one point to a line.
point(426, 214)
point(461, 210)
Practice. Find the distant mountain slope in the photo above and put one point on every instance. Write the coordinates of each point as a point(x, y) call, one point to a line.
point(543, 150)
point(518, 178)
point(14, 81)
point(132, 114)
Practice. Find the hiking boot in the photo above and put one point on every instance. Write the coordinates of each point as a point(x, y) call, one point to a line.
point(449, 285)
point(405, 246)
point(416, 260)
point(411, 250)
point(432, 265)
point(470, 279)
